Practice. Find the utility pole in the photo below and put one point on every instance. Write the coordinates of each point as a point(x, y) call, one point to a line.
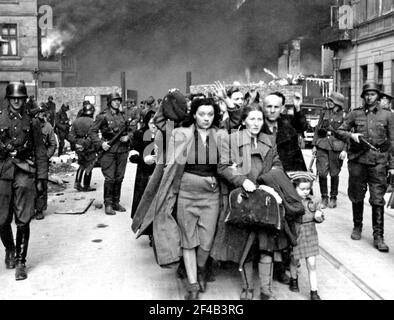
point(188, 81)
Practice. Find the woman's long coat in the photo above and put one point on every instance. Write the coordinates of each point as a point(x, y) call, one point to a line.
point(236, 151)
point(161, 194)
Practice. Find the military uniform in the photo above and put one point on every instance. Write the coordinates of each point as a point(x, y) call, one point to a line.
point(17, 179)
point(51, 112)
point(113, 162)
point(328, 150)
point(368, 167)
point(49, 141)
point(62, 127)
point(133, 116)
point(87, 157)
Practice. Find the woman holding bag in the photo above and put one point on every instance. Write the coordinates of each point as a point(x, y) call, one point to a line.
point(245, 156)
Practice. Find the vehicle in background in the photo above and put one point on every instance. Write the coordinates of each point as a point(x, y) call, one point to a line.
point(312, 114)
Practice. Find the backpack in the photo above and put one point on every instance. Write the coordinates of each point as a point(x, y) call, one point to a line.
point(258, 209)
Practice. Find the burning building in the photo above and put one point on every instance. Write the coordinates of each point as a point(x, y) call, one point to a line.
point(29, 52)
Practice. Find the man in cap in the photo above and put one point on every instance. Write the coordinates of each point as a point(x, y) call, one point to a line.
point(386, 102)
point(51, 111)
point(329, 150)
point(62, 126)
point(368, 167)
point(30, 104)
point(112, 122)
point(48, 138)
point(84, 147)
point(21, 160)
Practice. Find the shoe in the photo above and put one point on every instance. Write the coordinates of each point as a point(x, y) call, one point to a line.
point(246, 294)
point(10, 259)
point(324, 202)
point(379, 244)
point(265, 296)
point(333, 203)
point(293, 286)
point(192, 291)
point(356, 233)
point(20, 271)
point(39, 216)
point(118, 207)
point(109, 211)
point(315, 295)
point(88, 189)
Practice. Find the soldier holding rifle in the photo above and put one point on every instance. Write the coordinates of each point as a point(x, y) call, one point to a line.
point(114, 147)
point(370, 129)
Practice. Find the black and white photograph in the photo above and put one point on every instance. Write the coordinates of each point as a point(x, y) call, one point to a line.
point(205, 150)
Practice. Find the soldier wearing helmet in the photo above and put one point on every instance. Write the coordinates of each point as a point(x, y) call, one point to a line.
point(62, 126)
point(84, 147)
point(112, 122)
point(22, 163)
point(329, 150)
point(51, 111)
point(369, 167)
point(48, 138)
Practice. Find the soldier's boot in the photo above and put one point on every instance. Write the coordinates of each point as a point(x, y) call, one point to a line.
point(378, 228)
point(279, 273)
point(323, 191)
point(78, 179)
point(22, 244)
point(334, 192)
point(8, 241)
point(358, 209)
point(108, 194)
point(116, 197)
point(293, 286)
point(265, 275)
point(87, 178)
point(39, 215)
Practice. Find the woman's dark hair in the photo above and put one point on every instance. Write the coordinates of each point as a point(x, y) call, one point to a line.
point(232, 90)
point(196, 103)
point(248, 109)
point(149, 115)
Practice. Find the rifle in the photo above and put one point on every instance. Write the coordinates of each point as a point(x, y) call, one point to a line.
point(116, 137)
point(311, 163)
point(365, 143)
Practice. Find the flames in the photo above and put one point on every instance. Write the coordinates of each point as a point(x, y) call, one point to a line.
point(54, 42)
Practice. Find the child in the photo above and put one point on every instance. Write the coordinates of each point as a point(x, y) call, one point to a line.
point(307, 242)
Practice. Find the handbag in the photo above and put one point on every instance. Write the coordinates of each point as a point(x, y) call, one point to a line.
point(257, 209)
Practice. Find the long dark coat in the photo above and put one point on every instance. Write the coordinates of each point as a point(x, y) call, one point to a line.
point(290, 154)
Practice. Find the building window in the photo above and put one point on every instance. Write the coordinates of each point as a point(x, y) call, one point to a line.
point(345, 85)
point(48, 84)
point(363, 74)
point(387, 6)
point(9, 33)
point(379, 74)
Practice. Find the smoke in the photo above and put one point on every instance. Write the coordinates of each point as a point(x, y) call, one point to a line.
point(157, 41)
point(54, 42)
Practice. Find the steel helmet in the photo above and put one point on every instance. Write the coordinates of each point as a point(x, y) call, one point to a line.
point(114, 96)
point(88, 109)
point(16, 90)
point(370, 86)
point(337, 98)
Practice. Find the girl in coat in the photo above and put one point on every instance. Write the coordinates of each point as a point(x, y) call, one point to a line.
point(307, 241)
point(252, 154)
